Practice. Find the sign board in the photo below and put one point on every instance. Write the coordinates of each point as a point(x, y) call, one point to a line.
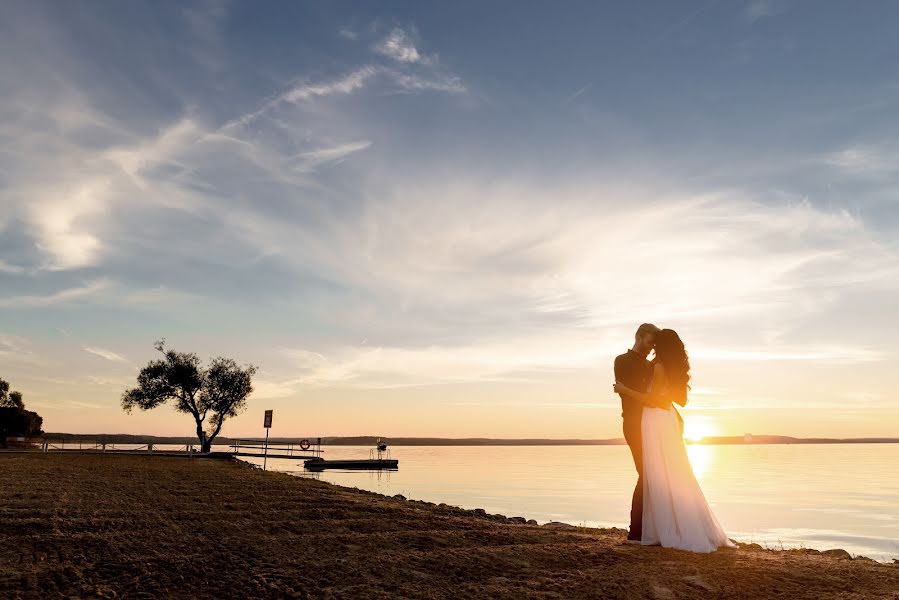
point(268, 419)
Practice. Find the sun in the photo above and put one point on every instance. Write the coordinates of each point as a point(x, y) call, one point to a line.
point(697, 427)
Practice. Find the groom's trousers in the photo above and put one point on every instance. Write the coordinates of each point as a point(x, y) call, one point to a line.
point(634, 439)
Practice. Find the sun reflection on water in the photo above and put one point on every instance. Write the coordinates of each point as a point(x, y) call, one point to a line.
point(701, 458)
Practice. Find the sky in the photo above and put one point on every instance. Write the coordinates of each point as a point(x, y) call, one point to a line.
point(446, 219)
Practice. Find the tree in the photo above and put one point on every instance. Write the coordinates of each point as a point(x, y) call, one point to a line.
point(217, 392)
point(14, 419)
point(15, 399)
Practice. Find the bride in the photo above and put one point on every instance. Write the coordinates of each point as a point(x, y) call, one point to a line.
point(675, 511)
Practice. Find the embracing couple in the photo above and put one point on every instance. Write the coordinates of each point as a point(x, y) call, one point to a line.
point(668, 507)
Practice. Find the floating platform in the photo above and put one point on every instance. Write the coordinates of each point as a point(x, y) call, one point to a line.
point(318, 464)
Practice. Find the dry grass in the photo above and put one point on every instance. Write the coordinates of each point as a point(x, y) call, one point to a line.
point(142, 527)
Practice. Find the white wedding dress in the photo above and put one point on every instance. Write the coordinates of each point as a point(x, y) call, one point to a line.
point(675, 511)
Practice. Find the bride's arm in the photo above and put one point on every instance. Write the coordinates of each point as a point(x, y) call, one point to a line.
point(654, 397)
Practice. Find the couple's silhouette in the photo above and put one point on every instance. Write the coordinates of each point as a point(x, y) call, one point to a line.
point(668, 507)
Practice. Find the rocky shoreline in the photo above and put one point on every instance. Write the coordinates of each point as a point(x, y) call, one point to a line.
point(838, 553)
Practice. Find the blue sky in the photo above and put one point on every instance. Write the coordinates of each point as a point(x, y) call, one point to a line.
point(446, 219)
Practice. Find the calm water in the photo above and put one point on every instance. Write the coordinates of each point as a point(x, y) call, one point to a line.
point(816, 496)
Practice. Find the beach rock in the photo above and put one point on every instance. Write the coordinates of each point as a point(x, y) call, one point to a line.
point(697, 581)
point(498, 517)
point(864, 558)
point(752, 546)
point(532, 522)
point(804, 551)
point(480, 511)
point(517, 520)
point(399, 497)
point(558, 525)
point(837, 553)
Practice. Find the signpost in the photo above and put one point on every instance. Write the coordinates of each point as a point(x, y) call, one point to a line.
point(268, 425)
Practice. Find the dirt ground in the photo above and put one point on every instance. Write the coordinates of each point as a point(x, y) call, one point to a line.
point(158, 527)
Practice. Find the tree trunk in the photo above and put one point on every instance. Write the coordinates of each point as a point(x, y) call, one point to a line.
point(214, 435)
point(205, 444)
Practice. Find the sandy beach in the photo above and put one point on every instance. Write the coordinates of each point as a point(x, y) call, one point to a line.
point(156, 527)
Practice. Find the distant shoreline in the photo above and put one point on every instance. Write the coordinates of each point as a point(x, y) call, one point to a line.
point(432, 441)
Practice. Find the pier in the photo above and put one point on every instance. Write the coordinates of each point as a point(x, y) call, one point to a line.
point(304, 449)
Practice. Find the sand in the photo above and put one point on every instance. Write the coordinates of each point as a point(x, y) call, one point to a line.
point(155, 527)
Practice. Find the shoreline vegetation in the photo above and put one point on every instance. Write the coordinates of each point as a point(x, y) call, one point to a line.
point(119, 526)
point(122, 438)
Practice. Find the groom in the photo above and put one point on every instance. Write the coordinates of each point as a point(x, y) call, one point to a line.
point(633, 370)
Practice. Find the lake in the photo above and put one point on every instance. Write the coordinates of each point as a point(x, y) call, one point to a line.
point(814, 496)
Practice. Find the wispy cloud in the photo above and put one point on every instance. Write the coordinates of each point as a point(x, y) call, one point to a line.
point(160, 297)
point(302, 92)
point(347, 33)
point(206, 19)
point(534, 359)
point(66, 295)
point(423, 83)
point(821, 355)
point(11, 345)
point(865, 160)
point(152, 151)
point(55, 218)
point(400, 46)
point(107, 354)
point(5, 267)
point(577, 93)
point(15, 349)
point(310, 160)
point(344, 85)
point(759, 9)
point(529, 359)
point(81, 404)
point(429, 80)
point(117, 383)
point(522, 404)
point(264, 389)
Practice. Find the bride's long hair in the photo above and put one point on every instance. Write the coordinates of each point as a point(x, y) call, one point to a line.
point(670, 352)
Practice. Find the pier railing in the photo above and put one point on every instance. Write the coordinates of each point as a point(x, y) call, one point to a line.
point(102, 446)
point(299, 449)
point(302, 449)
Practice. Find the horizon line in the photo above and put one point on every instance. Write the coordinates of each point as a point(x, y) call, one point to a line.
point(769, 439)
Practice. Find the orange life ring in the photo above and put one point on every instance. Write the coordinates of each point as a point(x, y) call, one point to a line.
point(305, 444)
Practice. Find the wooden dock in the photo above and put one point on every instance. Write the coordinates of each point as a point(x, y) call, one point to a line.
point(309, 451)
point(303, 449)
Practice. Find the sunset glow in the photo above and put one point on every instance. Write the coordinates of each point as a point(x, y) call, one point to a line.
point(698, 427)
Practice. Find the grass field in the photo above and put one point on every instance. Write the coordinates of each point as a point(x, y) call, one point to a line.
point(157, 527)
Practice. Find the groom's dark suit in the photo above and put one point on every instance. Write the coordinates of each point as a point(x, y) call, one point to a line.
point(633, 370)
